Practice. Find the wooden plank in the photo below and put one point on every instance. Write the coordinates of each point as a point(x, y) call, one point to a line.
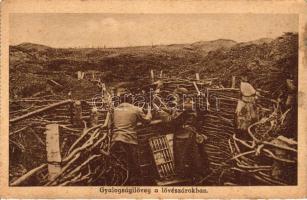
point(53, 150)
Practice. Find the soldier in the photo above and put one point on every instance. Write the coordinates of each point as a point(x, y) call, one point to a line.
point(246, 109)
point(124, 138)
point(190, 159)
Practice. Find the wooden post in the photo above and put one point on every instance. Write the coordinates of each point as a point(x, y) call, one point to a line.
point(196, 87)
point(161, 74)
point(197, 76)
point(77, 114)
point(152, 75)
point(233, 82)
point(82, 75)
point(53, 150)
point(79, 75)
point(207, 99)
point(94, 117)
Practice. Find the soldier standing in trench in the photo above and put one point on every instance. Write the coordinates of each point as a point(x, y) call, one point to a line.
point(191, 160)
point(246, 112)
point(246, 115)
point(124, 144)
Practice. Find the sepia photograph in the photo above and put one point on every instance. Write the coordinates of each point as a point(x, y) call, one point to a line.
point(105, 99)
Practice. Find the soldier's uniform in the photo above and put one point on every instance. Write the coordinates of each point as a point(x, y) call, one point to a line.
point(246, 112)
point(190, 158)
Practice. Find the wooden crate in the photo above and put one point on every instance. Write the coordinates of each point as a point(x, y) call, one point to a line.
point(163, 156)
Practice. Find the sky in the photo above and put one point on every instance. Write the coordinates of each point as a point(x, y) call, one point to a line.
point(121, 30)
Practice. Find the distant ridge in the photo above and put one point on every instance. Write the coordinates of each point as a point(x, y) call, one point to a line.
point(218, 41)
point(199, 44)
point(33, 46)
point(258, 41)
point(204, 45)
point(214, 44)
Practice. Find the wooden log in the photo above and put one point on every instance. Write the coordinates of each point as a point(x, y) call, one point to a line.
point(279, 146)
point(53, 150)
point(83, 135)
point(197, 76)
point(87, 144)
point(19, 130)
point(28, 175)
point(82, 165)
point(233, 82)
point(55, 83)
point(40, 111)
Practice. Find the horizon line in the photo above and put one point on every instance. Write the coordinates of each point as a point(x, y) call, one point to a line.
point(145, 45)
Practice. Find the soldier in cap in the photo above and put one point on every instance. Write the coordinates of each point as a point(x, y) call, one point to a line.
point(246, 112)
point(124, 138)
point(190, 159)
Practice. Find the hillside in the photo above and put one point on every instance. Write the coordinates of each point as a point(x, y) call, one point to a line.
point(266, 64)
point(266, 61)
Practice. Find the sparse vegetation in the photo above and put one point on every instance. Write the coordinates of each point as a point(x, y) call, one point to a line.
point(266, 61)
